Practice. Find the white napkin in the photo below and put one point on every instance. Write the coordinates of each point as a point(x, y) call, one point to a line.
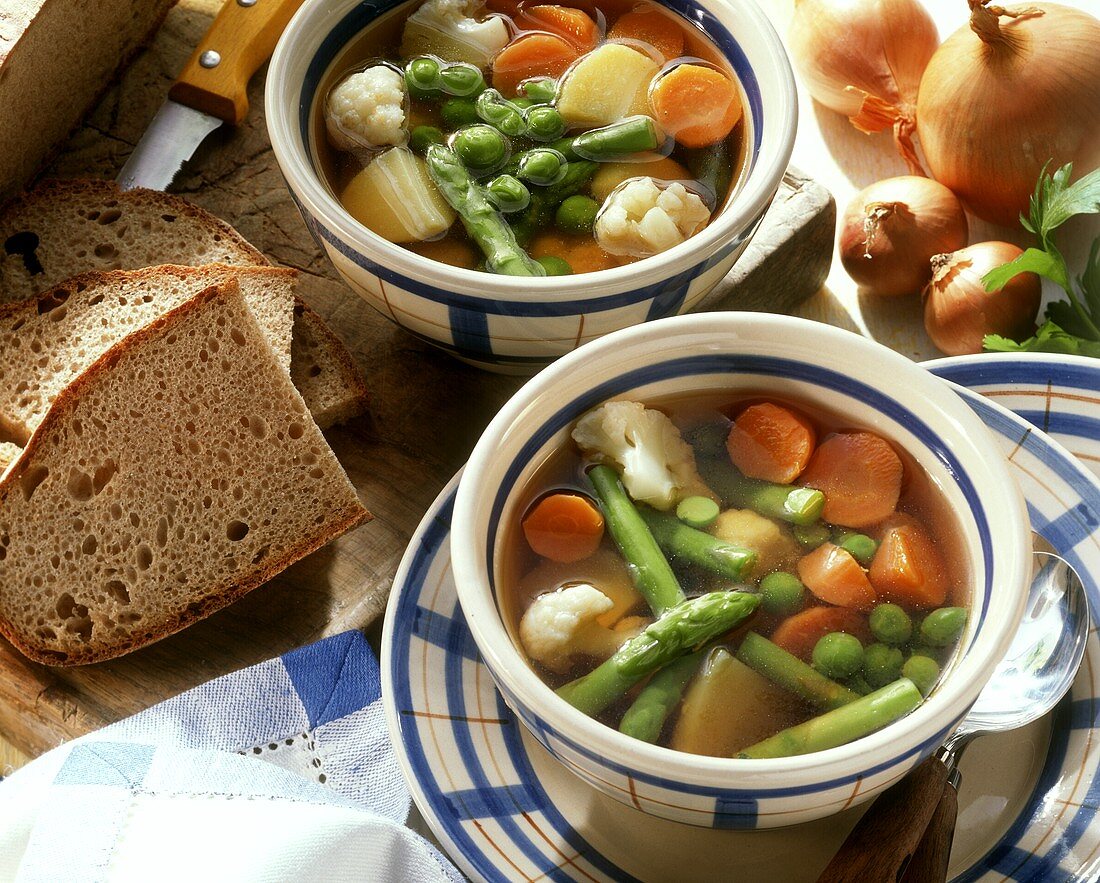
point(281, 771)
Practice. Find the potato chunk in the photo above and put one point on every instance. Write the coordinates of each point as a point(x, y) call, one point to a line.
point(611, 174)
point(394, 196)
point(774, 546)
point(607, 84)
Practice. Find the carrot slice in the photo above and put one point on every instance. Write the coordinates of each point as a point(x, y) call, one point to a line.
point(572, 25)
point(564, 527)
point(800, 633)
point(582, 253)
point(860, 475)
point(531, 55)
point(835, 577)
point(908, 568)
point(696, 105)
point(771, 442)
point(652, 27)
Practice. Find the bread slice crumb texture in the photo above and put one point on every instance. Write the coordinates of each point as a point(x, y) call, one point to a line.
point(177, 473)
point(45, 342)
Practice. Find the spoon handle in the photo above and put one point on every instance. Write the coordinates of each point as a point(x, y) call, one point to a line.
point(933, 853)
point(882, 842)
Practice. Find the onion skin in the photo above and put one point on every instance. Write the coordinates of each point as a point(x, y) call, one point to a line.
point(892, 229)
point(959, 312)
point(993, 109)
point(864, 59)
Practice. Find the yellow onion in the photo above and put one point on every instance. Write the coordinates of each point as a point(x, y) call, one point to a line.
point(891, 230)
point(1018, 87)
point(864, 59)
point(959, 312)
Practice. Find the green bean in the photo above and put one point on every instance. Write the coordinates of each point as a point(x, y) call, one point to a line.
point(791, 673)
point(541, 90)
point(482, 222)
point(798, 505)
point(647, 714)
point(632, 135)
point(842, 725)
point(577, 214)
point(649, 568)
point(697, 512)
point(696, 547)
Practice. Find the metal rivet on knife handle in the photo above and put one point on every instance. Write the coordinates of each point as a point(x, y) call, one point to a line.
point(210, 59)
point(245, 33)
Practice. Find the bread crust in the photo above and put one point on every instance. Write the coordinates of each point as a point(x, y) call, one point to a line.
point(341, 521)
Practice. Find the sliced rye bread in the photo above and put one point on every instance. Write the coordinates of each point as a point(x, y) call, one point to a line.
point(177, 473)
point(47, 341)
point(63, 228)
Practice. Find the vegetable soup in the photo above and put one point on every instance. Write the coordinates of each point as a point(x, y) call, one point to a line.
point(532, 139)
point(739, 576)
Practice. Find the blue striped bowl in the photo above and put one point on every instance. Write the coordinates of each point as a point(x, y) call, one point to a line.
point(754, 354)
point(499, 322)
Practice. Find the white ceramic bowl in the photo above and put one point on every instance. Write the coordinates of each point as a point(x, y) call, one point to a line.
point(798, 360)
point(499, 322)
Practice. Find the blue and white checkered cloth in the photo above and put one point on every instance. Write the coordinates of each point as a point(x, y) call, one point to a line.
point(282, 771)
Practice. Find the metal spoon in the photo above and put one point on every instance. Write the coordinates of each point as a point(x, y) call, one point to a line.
point(909, 828)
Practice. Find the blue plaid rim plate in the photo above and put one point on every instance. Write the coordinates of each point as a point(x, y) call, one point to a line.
point(496, 803)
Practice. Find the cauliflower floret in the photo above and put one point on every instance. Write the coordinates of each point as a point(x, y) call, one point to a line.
point(367, 110)
point(642, 218)
point(658, 466)
point(561, 625)
point(773, 545)
point(449, 29)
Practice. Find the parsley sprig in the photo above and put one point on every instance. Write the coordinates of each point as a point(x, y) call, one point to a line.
point(1073, 325)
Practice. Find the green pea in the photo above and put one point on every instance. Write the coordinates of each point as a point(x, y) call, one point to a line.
point(541, 90)
point(555, 266)
point(942, 627)
point(544, 123)
point(881, 665)
point(922, 671)
point(522, 103)
point(541, 167)
point(457, 112)
point(577, 214)
point(781, 593)
point(860, 546)
point(422, 77)
point(501, 114)
point(422, 137)
point(481, 148)
point(697, 512)
point(508, 193)
point(461, 79)
point(890, 624)
point(838, 655)
point(810, 536)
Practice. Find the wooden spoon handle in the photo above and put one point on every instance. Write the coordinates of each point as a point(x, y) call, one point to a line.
point(933, 853)
point(882, 842)
point(242, 37)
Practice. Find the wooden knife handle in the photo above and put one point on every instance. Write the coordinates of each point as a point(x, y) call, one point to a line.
point(933, 853)
point(881, 843)
point(242, 37)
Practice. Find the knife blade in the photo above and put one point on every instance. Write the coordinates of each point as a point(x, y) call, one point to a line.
point(211, 89)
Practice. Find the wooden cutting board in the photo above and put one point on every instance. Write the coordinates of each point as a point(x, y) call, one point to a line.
point(426, 411)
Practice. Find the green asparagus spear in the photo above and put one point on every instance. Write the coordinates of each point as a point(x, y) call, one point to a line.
point(650, 569)
point(647, 715)
point(686, 627)
point(791, 673)
point(483, 222)
point(697, 547)
point(798, 505)
point(842, 725)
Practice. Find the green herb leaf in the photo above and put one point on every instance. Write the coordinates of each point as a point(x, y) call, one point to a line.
point(1063, 200)
point(1089, 281)
point(1034, 260)
point(1050, 338)
point(1062, 314)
